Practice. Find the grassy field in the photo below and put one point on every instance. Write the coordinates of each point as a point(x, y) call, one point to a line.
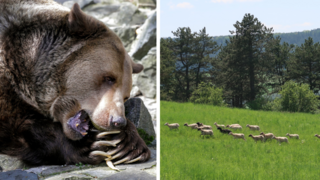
point(184, 155)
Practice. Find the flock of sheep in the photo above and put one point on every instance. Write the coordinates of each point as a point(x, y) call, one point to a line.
point(206, 130)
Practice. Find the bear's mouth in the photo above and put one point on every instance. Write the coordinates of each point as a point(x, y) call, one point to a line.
point(80, 123)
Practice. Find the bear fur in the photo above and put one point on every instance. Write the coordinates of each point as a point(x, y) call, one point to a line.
point(64, 78)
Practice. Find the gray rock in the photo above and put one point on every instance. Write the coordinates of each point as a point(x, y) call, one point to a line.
point(152, 171)
point(137, 112)
point(9, 163)
point(68, 4)
point(151, 105)
point(49, 170)
point(127, 35)
point(82, 3)
point(148, 1)
point(17, 175)
point(99, 172)
point(148, 4)
point(139, 17)
point(146, 38)
point(131, 176)
point(153, 143)
point(147, 79)
point(135, 92)
point(122, 17)
point(70, 176)
point(101, 10)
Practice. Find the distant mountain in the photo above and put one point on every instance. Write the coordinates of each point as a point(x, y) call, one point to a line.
point(296, 38)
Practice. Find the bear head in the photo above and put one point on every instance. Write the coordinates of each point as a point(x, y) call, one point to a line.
point(96, 79)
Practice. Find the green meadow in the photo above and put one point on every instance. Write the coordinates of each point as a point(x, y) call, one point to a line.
point(185, 155)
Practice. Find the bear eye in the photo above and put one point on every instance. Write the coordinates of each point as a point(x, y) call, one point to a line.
point(109, 79)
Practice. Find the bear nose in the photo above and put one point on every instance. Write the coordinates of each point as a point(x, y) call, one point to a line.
point(118, 121)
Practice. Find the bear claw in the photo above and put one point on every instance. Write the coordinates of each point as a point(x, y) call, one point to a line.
point(100, 153)
point(110, 165)
point(106, 143)
point(122, 161)
point(101, 135)
point(134, 160)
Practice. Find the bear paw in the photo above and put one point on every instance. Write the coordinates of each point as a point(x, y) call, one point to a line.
point(126, 146)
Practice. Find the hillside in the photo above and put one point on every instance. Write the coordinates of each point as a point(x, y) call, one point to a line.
point(186, 155)
point(296, 38)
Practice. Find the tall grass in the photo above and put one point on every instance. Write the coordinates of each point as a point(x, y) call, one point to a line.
point(184, 155)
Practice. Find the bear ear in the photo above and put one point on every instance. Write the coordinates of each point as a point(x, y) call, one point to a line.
point(136, 68)
point(81, 24)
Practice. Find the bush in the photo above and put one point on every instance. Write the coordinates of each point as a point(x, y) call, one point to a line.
point(208, 94)
point(257, 104)
point(264, 102)
point(296, 98)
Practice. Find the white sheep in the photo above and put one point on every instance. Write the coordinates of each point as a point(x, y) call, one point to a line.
point(257, 137)
point(219, 125)
point(172, 126)
point(281, 139)
point(293, 135)
point(205, 132)
point(234, 126)
point(253, 127)
point(205, 127)
point(316, 135)
point(237, 135)
point(193, 126)
point(267, 136)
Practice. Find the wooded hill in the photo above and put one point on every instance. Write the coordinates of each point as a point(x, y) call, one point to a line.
point(295, 38)
point(252, 63)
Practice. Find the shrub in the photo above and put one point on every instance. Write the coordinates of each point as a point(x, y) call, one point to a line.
point(257, 104)
point(208, 94)
point(297, 98)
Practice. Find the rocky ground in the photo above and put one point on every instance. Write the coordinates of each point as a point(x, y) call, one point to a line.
point(140, 171)
point(134, 21)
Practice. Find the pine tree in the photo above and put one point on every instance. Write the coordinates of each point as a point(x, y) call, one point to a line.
point(241, 66)
point(204, 46)
point(279, 56)
point(305, 64)
point(252, 36)
point(167, 70)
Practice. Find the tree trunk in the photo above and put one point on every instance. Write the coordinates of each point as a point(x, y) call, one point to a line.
point(251, 73)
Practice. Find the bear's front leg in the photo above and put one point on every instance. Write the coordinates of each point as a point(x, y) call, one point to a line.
point(93, 146)
point(44, 143)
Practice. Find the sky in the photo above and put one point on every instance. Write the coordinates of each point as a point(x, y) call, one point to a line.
point(218, 16)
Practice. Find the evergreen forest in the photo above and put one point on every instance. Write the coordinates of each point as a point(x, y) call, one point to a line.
point(250, 67)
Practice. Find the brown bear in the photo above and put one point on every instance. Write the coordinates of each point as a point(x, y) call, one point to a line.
point(64, 78)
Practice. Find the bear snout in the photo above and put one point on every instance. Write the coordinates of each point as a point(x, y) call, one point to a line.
point(118, 121)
